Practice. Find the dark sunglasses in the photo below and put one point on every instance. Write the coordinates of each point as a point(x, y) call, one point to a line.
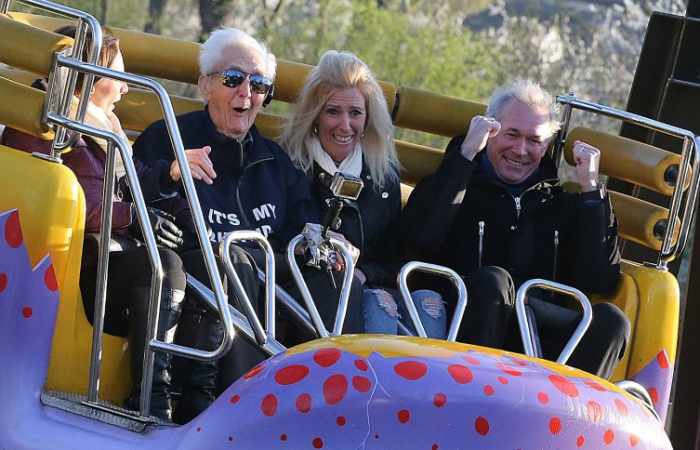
point(233, 78)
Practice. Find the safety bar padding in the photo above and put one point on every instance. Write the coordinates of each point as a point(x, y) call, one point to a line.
point(627, 159)
point(27, 47)
point(21, 108)
point(637, 219)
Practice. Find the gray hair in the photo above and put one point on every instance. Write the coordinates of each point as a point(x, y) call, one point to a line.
point(212, 49)
point(529, 93)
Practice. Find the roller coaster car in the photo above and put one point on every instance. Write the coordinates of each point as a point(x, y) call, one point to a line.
point(336, 392)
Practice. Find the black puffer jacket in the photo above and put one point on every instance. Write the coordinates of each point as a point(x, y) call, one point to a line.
point(371, 225)
point(542, 233)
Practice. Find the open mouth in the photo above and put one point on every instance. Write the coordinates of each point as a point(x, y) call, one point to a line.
point(241, 110)
point(515, 163)
point(343, 140)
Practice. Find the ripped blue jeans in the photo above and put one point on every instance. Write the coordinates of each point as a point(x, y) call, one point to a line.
point(382, 308)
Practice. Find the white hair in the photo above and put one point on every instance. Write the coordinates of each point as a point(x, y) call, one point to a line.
point(223, 38)
point(531, 94)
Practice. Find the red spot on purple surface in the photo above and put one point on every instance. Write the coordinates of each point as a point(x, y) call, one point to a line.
point(543, 398)
point(50, 279)
point(509, 370)
point(404, 416)
point(518, 362)
point(595, 385)
point(334, 388)
point(303, 403)
point(481, 425)
point(608, 437)
point(621, 407)
point(580, 441)
point(361, 384)
point(411, 370)
point(340, 421)
point(461, 374)
point(662, 360)
point(269, 405)
point(27, 312)
point(634, 440)
point(283, 437)
point(654, 394)
point(13, 232)
point(555, 425)
point(291, 374)
point(564, 386)
point(254, 372)
point(502, 380)
point(3, 281)
point(471, 360)
point(235, 399)
point(435, 447)
point(361, 364)
point(439, 399)
point(317, 443)
point(595, 411)
point(488, 390)
point(326, 357)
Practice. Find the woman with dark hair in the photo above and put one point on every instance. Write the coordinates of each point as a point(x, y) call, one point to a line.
point(128, 290)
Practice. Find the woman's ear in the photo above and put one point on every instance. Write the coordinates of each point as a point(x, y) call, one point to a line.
point(203, 83)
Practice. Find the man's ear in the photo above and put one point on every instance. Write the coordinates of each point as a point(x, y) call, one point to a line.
point(203, 83)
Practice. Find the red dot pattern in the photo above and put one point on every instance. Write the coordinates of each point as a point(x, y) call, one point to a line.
point(481, 425)
point(580, 441)
point(595, 385)
point(291, 374)
point(662, 360)
point(13, 232)
point(269, 405)
point(326, 357)
point(303, 403)
point(608, 437)
point(461, 374)
point(502, 380)
point(488, 390)
point(361, 384)
point(27, 312)
point(411, 370)
point(471, 360)
point(564, 385)
point(361, 364)
point(3, 281)
point(255, 371)
point(404, 416)
point(317, 442)
point(654, 394)
point(595, 411)
point(439, 400)
point(509, 370)
point(50, 279)
point(340, 421)
point(283, 437)
point(543, 398)
point(235, 399)
point(555, 425)
point(621, 407)
point(634, 440)
point(334, 388)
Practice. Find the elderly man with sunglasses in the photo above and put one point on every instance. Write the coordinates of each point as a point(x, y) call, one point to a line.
point(244, 182)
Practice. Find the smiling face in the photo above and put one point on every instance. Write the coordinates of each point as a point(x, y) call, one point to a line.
point(107, 92)
point(341, 122)
point(516, 151)
point(233, 110)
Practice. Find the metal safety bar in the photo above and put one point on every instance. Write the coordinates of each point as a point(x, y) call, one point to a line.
point(344, 296)
point(86, 23)
point(433, 269)
point(195, 208)
point(690, 151)
point(298, 311)
point(240, 322)
point(261, 335)
point(637, 390)
point(526, 332)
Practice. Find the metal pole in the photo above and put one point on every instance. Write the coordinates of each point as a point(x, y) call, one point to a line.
point(303, 288)
point(347, 285)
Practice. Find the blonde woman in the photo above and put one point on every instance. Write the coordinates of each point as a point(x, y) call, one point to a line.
point(342, 124)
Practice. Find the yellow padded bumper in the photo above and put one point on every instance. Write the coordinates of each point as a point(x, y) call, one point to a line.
point(21, 108)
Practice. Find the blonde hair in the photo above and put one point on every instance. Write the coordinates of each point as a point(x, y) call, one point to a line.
point(531, 94)
point(337, 71)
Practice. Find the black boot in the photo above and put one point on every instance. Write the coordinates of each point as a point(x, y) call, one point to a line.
point(170, 309)
point(200, 329)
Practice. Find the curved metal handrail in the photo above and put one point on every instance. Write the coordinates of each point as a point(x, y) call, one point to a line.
point(638, 391)
point(306, 294)
point(195, 208)
point(462, 296)
point(261, 335)
point(526, 333)
point(690, 151)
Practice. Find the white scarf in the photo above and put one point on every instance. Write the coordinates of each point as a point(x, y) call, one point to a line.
point(351, 165)
point(98, 118)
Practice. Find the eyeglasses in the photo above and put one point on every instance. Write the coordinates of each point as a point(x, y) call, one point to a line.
point(233, 78)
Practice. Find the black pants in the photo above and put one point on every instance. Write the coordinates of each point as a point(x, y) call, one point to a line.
point(490, 320)
point(129, 278)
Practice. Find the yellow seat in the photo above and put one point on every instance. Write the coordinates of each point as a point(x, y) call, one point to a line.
point(52, 214)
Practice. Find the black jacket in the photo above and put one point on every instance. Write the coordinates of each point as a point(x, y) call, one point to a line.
point(370, 224)
point(257, 186)
point(543, 233)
